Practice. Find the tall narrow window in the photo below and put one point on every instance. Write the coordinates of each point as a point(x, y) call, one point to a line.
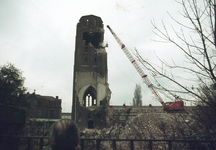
point(94, 101)
point(87, 22)
point(90, 100)
point(87, 101)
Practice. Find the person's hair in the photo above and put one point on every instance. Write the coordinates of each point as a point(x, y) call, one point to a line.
point(64, 135)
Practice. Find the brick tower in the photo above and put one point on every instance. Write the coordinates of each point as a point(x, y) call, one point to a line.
point(90, 86)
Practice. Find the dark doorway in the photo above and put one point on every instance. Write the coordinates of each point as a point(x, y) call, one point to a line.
point(90, 124)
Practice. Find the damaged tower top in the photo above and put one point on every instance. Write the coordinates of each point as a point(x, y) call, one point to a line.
point(89, 44)
point(92, 29)
point(91, 22)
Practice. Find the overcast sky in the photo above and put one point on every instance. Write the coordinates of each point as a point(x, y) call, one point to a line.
point(38, 37)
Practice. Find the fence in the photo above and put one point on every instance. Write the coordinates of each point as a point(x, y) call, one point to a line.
point(40, 143)
point(23, 142)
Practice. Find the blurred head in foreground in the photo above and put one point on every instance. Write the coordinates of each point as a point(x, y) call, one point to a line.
point(64, 135)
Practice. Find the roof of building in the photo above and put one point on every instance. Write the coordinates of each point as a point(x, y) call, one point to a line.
point(41, 97)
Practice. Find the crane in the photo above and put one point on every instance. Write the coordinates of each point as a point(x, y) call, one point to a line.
point(168, 106)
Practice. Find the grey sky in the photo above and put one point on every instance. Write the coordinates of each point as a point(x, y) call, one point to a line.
point(38, 36)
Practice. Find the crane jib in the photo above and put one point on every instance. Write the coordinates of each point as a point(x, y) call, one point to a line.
point(171, 105)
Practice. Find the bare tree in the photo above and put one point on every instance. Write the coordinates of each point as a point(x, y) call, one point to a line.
point(196, 40)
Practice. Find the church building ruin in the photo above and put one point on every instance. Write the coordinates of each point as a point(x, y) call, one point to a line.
point(91, 91)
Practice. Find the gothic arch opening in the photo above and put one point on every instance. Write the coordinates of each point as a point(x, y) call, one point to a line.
point(89, 97)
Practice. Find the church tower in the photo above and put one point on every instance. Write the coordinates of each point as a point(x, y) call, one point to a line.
point(90, 85)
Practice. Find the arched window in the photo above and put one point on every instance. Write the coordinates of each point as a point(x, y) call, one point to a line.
point(89, 98)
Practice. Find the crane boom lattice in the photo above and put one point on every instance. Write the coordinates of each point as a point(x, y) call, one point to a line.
point(137, 67)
